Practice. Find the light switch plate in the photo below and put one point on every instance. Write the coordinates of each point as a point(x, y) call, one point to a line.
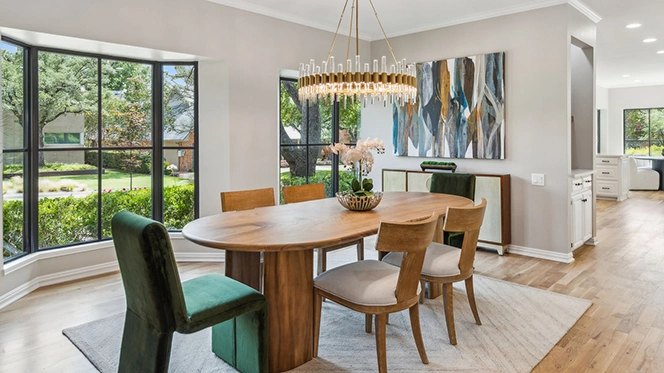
point(537, 179)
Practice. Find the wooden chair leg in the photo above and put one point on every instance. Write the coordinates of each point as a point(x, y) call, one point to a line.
point(367, 322)
point(322, 261)
point(448, 296)
point(318, 302)
point(471, 299)
point(417, 332)
point(381, 347)
point(360, 249)
point(423, 285)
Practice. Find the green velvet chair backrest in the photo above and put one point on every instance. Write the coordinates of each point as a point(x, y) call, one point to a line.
point(452, 183)
point(149, 273)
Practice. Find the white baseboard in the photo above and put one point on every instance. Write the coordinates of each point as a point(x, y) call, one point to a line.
point(55, 278)
point(592, 241)
point(541, 254)
point(18, 293)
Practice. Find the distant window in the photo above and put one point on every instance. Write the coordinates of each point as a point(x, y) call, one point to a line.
point(72, 138)
point(644, 131)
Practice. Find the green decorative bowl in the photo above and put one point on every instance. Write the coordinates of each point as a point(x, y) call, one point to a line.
point(355, 203)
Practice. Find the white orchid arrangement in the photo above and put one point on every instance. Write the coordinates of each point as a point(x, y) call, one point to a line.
point(360, 160)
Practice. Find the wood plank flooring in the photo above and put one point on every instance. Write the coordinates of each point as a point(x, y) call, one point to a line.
point(623, 331)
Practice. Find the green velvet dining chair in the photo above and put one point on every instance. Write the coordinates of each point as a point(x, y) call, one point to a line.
point(459, 185)
point(158, 304)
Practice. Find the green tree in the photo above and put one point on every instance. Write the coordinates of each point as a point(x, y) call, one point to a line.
point(301, 162)
point(313, 123)
point(126, 116)
point(67, 85)
point(179, 84)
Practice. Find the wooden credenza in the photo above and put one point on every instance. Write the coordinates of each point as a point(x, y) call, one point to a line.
point(496, 228)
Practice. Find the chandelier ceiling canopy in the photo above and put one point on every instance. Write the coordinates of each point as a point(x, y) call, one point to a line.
point(327, 81)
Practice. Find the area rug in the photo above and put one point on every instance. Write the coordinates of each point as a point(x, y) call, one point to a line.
point(520, 325)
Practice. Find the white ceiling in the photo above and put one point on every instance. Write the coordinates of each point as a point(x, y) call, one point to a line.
point(619, 51)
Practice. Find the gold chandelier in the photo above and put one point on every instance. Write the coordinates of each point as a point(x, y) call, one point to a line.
point(398, 84)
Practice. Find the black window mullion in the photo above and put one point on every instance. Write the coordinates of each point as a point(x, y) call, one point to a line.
point(335, 139)
point(196, 142)
point(100, 162)
point(32, 169)
point(157, 141)
point(649, 133)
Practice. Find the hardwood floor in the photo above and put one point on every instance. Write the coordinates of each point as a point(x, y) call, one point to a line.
point(623, 331)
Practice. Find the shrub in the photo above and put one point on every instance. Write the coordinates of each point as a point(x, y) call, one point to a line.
point(18, 168)
point(118, 160)
point(66, 220)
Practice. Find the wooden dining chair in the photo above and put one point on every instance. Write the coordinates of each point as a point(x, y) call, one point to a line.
point(377, 288)
point(251, 271)
point(308, 192)
point(247, 199)
point(444, 264)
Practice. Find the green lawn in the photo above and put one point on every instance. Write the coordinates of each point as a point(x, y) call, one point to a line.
point(115, 180)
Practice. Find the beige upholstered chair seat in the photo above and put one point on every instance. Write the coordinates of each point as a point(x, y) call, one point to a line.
point(367, 283)
point(440, 260)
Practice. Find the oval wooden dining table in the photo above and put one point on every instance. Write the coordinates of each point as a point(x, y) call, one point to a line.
point(287, 235)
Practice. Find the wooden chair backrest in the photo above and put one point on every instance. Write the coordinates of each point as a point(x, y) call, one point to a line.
point(467, 220)
point(301, 193)
point(411, 238)
point(247, 199)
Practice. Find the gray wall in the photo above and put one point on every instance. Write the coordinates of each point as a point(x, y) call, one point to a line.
point(536, 45)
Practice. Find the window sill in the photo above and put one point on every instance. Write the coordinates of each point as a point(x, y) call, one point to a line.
point(29, 259)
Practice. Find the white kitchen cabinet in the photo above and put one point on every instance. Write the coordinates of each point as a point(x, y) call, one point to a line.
point(612, 177)
point(582, 211)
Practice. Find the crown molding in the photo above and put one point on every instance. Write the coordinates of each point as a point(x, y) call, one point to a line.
point(533, 5)
point(585, 10)
point(481, 16)
point(243, 5)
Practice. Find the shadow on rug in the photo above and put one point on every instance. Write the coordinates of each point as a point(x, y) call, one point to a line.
point(520, 325)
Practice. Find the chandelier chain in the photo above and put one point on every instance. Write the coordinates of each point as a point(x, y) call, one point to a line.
point(336, 32)
point(350, 28)
point(383, 31)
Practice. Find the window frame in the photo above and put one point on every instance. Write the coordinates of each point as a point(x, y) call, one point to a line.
point(649, 141)
point(31, 148)
point(334, 137)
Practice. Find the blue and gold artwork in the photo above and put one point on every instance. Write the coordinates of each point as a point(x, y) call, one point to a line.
point(459, 111)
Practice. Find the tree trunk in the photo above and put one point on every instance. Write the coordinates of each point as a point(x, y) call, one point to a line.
point(302, 162)
point(42, 160)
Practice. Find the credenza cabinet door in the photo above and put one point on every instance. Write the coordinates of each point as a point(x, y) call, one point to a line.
point(496, 228)
point(394, 181)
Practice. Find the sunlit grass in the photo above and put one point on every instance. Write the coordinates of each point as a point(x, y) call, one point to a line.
point(115, 180)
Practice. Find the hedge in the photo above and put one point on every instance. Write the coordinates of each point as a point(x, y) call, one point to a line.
point(118, 160)
point(65, 220)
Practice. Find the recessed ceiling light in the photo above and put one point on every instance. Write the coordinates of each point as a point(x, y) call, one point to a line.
point(660, 52)
point(626, 76)
point(633, 25)
point(637, 81)
point(649, 40)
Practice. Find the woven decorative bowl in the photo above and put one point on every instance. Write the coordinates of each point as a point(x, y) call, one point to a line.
point(355, 203)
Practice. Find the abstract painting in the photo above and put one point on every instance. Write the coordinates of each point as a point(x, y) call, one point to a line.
point(459, 111)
